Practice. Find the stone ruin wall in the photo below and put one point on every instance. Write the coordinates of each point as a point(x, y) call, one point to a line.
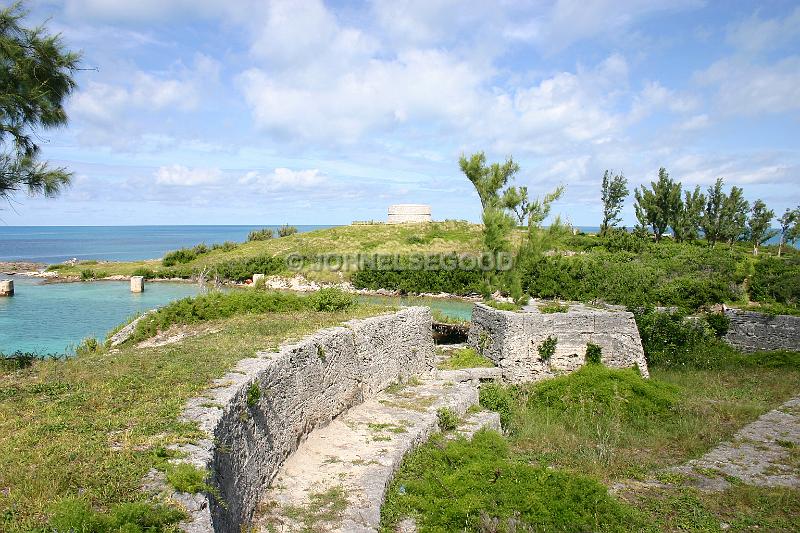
point(510, 339)
point(750, 331)
point(301, 387)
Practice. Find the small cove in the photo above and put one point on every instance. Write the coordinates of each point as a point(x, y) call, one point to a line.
point(54, 318)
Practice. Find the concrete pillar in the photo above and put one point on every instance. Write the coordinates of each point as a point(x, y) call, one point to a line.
point(6, 287)
point(137, 283)
point(257, 277)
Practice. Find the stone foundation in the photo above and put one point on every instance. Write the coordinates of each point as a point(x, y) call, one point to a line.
point(511, 339)
point(753, 332)
point(6, 287)
point(259, 413)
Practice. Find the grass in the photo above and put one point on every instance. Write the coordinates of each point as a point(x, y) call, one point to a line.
point(553, 307)
point(465, 358)
point(92, 426)
point(480, 485)
point(599, 426)
point(217, 305)
point(436, 237)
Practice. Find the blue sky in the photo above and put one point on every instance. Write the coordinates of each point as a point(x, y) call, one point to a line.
point(257, 111)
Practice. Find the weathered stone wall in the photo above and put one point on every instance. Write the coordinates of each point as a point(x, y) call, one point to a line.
point(751, 332)
point(258, 414)
point(511, 339)
point(405, 213)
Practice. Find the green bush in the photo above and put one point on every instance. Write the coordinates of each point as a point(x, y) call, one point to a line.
point(332, 299)
point(478, 486)
point(146, 273)
point(597, 390)
point(465, 358)
point(447, 419)
point(499, 398)
point(243, 269)
point(226, 246)
point(75, 515)
point(263, 234)
point(776, 280)
point(719, 323)
point(286, 230)
point(553, 307)
point(669, 339)
point(620, 240)
point(503, 306)
point(185, 477)
point(594, 354)
point(400, 277)
point(184, 255)
point(217, 305)
point(88, 345)
point(547, 348)
point(253, 394)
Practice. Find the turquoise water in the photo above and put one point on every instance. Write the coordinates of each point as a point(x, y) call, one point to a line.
point(53, 318)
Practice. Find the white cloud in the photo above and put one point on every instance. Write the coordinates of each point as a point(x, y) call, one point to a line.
point(181, 176)
point(418, 85)
point(745, 88)
point(754, 34)
point(283, 179)
point(565, 22)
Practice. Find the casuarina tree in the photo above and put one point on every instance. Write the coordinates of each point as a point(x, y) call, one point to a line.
point(613, 193)
point(658, 206)
point(36, 78)
point(758, 225)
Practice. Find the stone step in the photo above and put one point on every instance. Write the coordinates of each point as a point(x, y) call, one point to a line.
point(337, 478)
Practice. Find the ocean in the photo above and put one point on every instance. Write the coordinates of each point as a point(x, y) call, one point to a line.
point(55, 244)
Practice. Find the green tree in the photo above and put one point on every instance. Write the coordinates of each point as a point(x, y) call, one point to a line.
point(686, 225)
point(488, 180)
point(613, 193)
point(734, 215)
point(658, 206)
point(36, 79)
point(788, 221)
point(516, 200)
point(725, 216)
point(758, 225)
point(711, 221)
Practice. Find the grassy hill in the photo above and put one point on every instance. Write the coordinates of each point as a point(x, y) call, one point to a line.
point(429, 238)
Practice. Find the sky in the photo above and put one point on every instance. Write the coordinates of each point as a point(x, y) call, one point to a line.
point(311, 112)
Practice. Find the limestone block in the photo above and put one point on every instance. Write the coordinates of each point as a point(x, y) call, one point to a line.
point(6, 287)
point(511, 339)
point(137, 283)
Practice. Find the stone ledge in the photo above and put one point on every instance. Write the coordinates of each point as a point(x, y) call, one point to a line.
point(301, 387)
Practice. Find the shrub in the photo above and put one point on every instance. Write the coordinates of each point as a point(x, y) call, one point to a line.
point(185, 477)
point(87, 274)
point(719, 323)
point(620, 240)
point(184, 255)
point(447, 418)
point(226, 246)
point(776, 280)
point(553, 307)
point(253, 394)
point(499, 398)
point(286, 230)
point(76, 515)
point(547, 348)
point(400, 277)
point(669, 339)
point(263, 234)
point(243, 269)
point(594, 354)
point(597, 390)
point(146, 273)
point(217, 305)
point(478, 486)
point(332, 299)
point(503, 306)
point(465, 358)
point(89, 345)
